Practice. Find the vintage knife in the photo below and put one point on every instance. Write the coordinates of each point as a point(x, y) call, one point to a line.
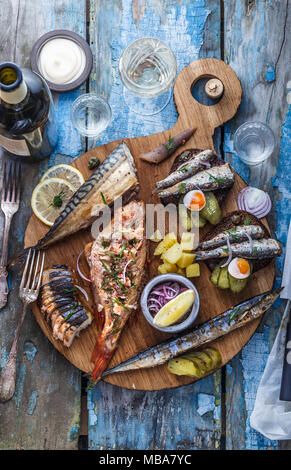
point(285, 393)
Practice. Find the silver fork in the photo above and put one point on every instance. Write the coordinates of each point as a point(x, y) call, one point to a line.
point(28, 293)
point(9, 205)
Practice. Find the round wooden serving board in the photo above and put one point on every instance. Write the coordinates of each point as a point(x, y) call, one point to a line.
point(138, 334)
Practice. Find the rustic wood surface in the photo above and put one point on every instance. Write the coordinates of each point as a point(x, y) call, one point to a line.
point(252, 37)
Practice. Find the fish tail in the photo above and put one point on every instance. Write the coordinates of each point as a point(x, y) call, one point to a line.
point(19, 258)
point(101, 359)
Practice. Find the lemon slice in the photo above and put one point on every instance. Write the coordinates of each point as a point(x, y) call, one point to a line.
point(175, 309)
point(65, 172)
point(43, 202)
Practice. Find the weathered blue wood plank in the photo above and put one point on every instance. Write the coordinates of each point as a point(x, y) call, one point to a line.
point(256, 47)
point(45, 411)
point(188, 417)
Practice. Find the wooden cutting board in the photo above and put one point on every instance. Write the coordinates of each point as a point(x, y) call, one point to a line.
point(138, 334)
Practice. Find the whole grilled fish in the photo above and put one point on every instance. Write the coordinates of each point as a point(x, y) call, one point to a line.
point(237, 234)
point(260, 249)
point(217, 177)
point(209, 331)
point(117, 259)
point(187, 169)
point(115, 177)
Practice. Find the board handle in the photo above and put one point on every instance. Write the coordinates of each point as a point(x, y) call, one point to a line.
point(191, 113)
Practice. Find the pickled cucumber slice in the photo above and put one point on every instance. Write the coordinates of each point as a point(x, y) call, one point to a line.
point(175, 309)
point(223, 280)
point(237, 285)
point(211, 211)
point(215, 356)
point(182, 366)
point(215, 275)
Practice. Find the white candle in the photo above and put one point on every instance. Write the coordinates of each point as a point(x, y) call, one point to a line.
point(61, 61)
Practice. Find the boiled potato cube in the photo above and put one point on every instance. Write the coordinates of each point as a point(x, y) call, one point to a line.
point(181, 271)
point(187, 241)
point(162, 269)
point(171, 268)
point(156, 237)
point(169, 240)
point(173, 254)
point(185, 260)
point(193, 270)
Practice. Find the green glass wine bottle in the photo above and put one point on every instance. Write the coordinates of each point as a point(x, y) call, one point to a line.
point(27, 123)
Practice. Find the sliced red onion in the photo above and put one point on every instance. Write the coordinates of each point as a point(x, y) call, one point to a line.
point(79, 270)
point(124, 271)
point(81, 289)
point(255, 201)
point(229, 253)
point(162, 294)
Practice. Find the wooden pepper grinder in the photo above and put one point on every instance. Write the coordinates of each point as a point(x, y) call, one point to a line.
point(214, 88)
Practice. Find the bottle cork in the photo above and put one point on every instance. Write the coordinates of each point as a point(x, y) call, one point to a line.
point(214, 88)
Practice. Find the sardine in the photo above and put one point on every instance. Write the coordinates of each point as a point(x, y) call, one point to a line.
point(236, 234)
point(209, 331)
point(193, 166)
point(259, 249)
point(217, 177)
point(115, 177)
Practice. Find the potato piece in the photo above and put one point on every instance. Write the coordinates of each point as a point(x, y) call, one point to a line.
point(187, 241)
point(156, 237)
point(160, 249)
point(193, 270)
point(169, 240)
point(173, 254)
point(181, 271)
point(171, 268)
point(185, 260)
point(162, 269)
point(181, 366)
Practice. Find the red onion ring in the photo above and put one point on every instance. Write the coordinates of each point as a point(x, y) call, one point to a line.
point(124, 271)
point(250, 240)
point(83, 292)
point(162, 294)
point(259, 208)
point(229, 253)
point(78, 268)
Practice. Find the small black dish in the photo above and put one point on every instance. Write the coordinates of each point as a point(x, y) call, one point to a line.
point(63, 33)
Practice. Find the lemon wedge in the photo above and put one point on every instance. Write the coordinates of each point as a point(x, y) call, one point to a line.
point(175, 309)
point(49, 198)
point(65, 172)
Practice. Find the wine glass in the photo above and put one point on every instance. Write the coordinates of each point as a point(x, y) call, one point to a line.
point(147, 69)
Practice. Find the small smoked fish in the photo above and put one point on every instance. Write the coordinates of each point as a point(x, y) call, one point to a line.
point(237, 234)
point(260, 249)
point(209, 331)
point(187, 169)
point(217, 177)
point(115, 177)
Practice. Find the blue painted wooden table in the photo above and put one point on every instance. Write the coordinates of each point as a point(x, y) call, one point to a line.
point(51, 409)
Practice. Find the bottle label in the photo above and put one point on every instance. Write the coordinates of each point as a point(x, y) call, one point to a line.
point(18, 147)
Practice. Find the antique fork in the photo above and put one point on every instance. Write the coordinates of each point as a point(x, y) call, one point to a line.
point(9, 205)
point(28, 293)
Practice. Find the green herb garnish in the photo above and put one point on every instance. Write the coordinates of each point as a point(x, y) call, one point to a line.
point(120, 283)
point(233, 314)
point(247, 220)
point(58, 199)
point(170, 144)
point(182, 188)
point(122, 305)
point(105, 243)
point(255, 250)
point(217, 179)
point(122, 249)
point(103, 199)
point(71, 312)
point(70, 290)
point(133, 241)
point(105, 267)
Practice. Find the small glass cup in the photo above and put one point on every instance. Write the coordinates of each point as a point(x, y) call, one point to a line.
point(147, 69)
point(90, 115)
point(254, 142)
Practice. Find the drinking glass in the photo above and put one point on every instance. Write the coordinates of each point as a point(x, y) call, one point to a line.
point(254, 142)
point(91, 115)
point(147, 69)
